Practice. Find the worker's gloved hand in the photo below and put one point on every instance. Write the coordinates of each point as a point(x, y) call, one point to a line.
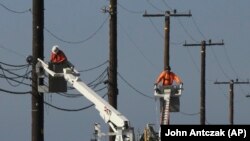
point(181, 88)
point(155, 86)
point(181, 85)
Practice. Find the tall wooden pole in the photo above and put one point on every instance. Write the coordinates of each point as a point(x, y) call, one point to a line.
point(231, 97)
point(203, 45)
point(167, 16)
point(38, 49)
point(231, 102)
point(166, 58)
point(167, 40)
point(203, 84)
point(112, 87)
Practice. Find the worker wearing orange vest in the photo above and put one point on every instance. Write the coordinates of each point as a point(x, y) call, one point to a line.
point(167, 77)
point(57, 55)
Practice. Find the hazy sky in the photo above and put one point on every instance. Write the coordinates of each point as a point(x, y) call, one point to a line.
point(81, 29)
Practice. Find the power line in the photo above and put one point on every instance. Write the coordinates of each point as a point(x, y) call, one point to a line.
point(77, 42)
point(12, 51)
point(130, 11)
point(150, 97)
point(14, 92)
point(10, 65)
point(152, 5)
point(186, 31)
point(190, 114)
point(14, 11)
point(165, 3)
point(89, 69)
point(213, 52)
point(135, 45)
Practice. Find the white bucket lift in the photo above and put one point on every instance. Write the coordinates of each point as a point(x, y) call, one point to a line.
point(119, 124)
point(56, 80)
point(169, 100)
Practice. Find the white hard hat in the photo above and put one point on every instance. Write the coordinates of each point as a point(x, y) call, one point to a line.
point(55, 48)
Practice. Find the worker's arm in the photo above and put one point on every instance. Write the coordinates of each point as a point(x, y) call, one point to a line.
point(62, 57)
point(160, 77)
point(52, 57)
point(177, 79)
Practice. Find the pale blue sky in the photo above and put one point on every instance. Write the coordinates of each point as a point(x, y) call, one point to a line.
point(83, 31)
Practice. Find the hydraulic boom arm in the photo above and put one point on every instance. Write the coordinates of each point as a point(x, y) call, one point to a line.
point(118, 122)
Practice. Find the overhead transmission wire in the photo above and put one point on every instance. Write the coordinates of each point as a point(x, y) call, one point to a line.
point(133, 42)
point(190, 114)
point(76, 42)
point(150, 97)
point(13, 79)
point(136, 46)
point(14, 92)
point(64, 109)
point(188, 50)
point(99, 80)
point(25, 75)
point(81, 41)
point(14, 11)
point(213, 52)
point(155, 27)
point(165, 3)
point(130, 11)
point(70, 110)
point(45, 102)
point(12, 51)
point(217, 60)
point(16, 76)
point(228, 59)
point(152, 5)
point(89, 69)
point(17, 66)
point(160, 34)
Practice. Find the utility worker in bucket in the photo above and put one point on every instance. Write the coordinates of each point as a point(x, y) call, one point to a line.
point(57, 55)
point(167, 78)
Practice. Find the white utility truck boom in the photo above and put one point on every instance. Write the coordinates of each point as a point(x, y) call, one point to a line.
point(118, 122)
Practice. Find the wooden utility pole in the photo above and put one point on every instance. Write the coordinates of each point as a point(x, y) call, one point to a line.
point(38, 49)
point(166, 58)
point(231, 97)
point(112, 87)
point(203, 45)
point(167, 16)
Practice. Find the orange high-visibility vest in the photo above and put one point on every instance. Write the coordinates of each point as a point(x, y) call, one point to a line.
point(168, 78)
point(58, 58)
